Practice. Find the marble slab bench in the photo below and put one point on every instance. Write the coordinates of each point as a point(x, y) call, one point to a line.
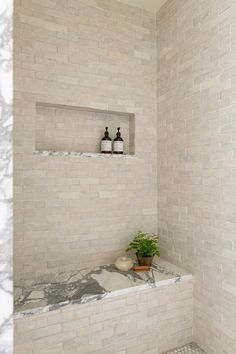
point(79, 287)
point(63, 315)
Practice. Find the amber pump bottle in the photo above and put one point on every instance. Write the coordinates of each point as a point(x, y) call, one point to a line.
point(118, 143)
point(106, 143)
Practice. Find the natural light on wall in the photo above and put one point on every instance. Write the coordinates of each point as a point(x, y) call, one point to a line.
point(149, 5)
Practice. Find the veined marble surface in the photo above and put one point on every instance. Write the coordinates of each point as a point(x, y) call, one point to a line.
point(87, 285)
point(6, 93)
point(46, 153)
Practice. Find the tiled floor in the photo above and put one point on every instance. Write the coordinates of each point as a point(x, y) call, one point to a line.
point(191, 348)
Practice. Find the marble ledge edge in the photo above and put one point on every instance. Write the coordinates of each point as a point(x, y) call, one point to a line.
point(50, 153)
point(107, 295)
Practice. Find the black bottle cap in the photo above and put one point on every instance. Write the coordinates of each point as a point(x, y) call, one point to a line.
point(106, 132)
point(118, 133)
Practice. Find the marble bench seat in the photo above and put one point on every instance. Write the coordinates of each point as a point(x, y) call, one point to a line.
point(138, 312)
point(86, 285)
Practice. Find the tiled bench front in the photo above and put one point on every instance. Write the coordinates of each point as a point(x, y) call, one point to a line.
point(138, 312)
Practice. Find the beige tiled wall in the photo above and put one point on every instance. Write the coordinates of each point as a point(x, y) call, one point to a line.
point(148, 322)
point(196, 157)
point(75, 212)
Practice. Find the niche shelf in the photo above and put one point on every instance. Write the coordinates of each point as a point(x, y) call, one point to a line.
point(64, 130)
point(46, 153)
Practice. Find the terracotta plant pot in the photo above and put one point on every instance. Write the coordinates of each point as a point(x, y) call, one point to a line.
point(145, 261)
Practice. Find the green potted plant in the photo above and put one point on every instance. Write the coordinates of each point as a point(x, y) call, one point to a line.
point(146, 247)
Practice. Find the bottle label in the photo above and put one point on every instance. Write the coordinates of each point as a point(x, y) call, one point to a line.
point(118, 146)
point(106, 145)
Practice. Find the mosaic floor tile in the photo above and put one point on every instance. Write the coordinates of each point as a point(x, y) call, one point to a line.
point(191, 348)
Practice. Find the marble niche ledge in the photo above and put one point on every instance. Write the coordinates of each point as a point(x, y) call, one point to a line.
point(85, 285)
point(48, 153)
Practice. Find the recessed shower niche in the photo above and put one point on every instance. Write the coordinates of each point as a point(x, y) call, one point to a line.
point(78, 129)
